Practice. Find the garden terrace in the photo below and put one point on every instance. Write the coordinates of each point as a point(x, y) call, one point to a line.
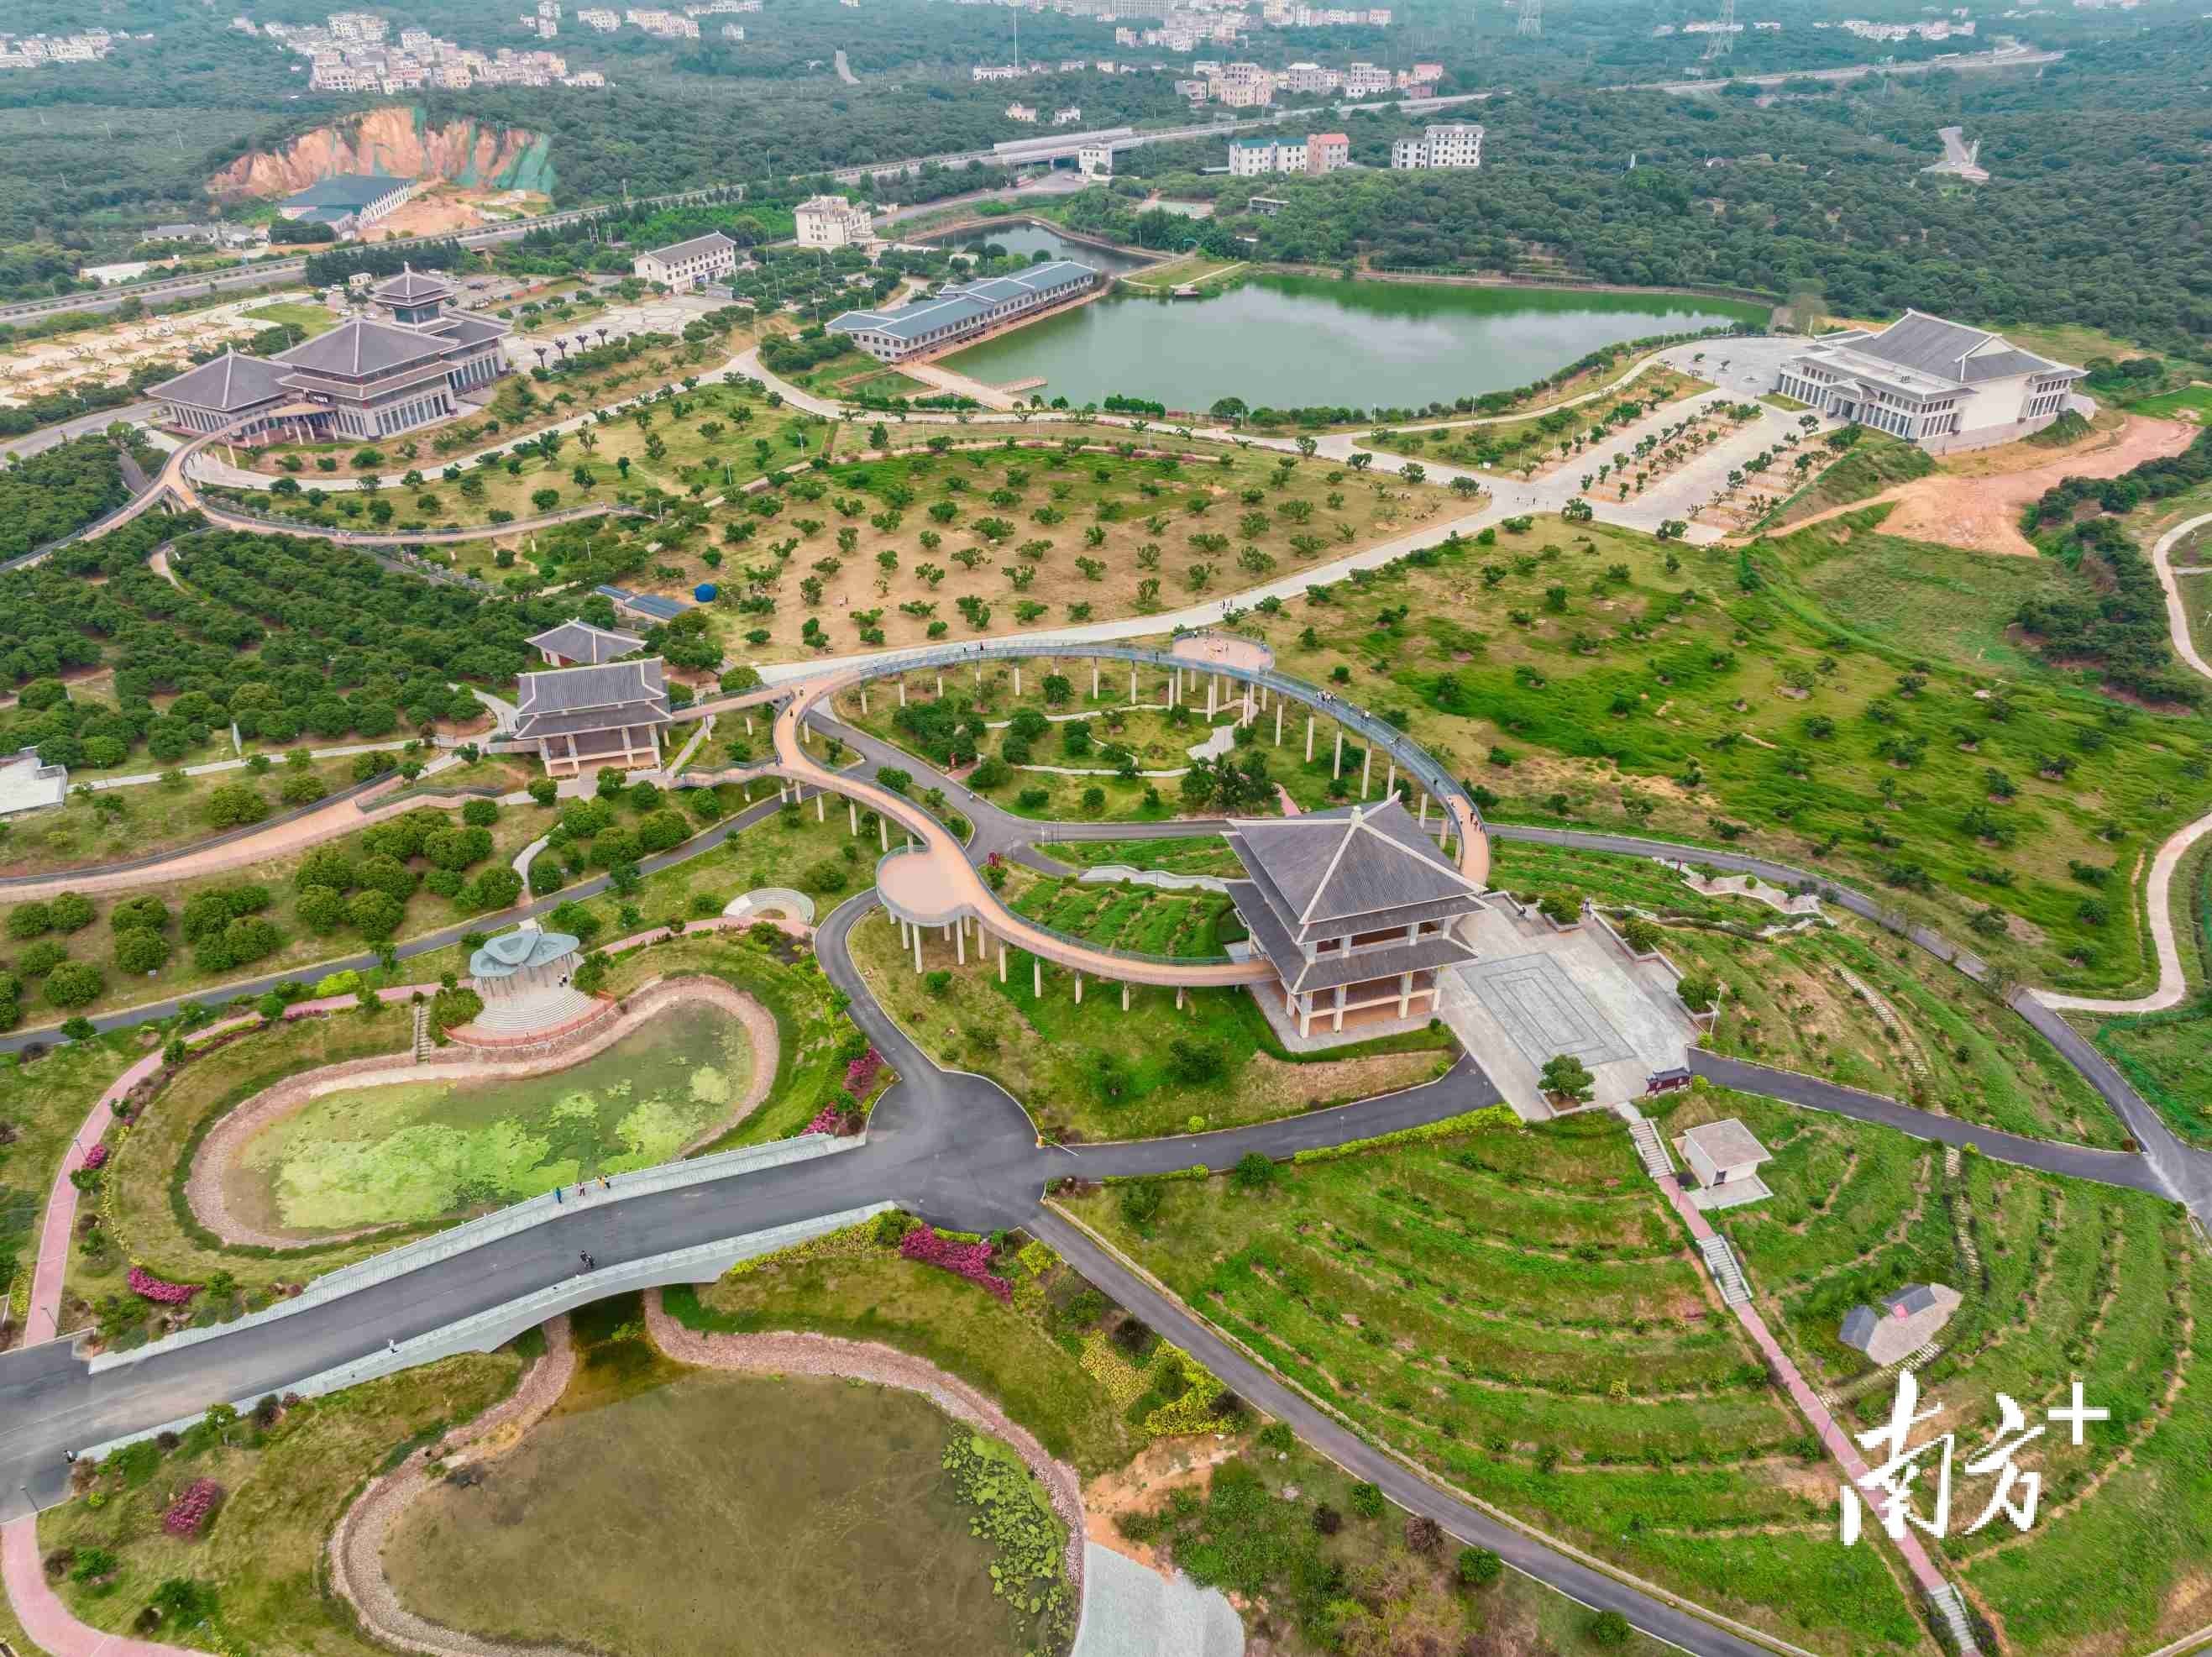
point(1173, 1061)
point(1202, 854)
point(690, 443)
point(1837, 699)
point(938, 543)
point(1127, 916)
point(2062, 1280)
point(1516, 1309)
point(197, 933)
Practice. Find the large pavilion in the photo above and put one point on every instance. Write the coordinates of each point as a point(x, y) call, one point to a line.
point(1354, 910)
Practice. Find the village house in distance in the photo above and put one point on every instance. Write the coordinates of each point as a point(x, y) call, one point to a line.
point(833, 221)
point(405, 365)
point(1354, 909)
point(1938, 384)
point(689, 263)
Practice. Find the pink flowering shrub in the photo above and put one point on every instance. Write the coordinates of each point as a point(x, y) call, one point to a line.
point(969, 1260)
point(860, 1074)
point(189, 1513)
point(96, 1157)
point(147, 1286)
point(827, 1120)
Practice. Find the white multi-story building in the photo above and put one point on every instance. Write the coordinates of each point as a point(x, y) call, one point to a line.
point(1072, 116)
point(1244, 86)
point(689, 263)
point(1096, 161)
point(598, 18)
point(1938, 384)
point(1450, 144)
point(1252, 158)
point(995, 72)
point(1362, 79)
point(833, 221)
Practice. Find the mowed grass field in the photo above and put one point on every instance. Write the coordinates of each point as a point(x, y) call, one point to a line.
point(1518, 1312)
point(2062, 1280)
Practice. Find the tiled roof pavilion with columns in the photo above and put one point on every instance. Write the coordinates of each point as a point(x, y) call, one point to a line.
point(1354, 910)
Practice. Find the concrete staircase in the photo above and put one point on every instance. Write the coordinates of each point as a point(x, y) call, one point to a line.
point(423, 1045)
point(526, 1015)
point(1651, 1147)
point(1953, 1163)
point(1951, 1609)
point(1721, 1262)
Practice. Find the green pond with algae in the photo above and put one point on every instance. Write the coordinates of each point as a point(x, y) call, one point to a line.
point(411, 1151)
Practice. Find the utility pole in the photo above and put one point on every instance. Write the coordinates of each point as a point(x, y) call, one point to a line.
point(1531, 26)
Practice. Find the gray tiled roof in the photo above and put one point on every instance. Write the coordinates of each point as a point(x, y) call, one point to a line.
point(1948, 351)
point(468, 330)
point(1334, 967)
point(1326, 868)
point(580, 641)
point(676, 252)
point(962, 302)
point(519, 951)
point(575, 689)
point(229, 382)
point(412, 285)
point(1859, 1325)
point(581, 722)
point(1913, 1297)
point(364, 346)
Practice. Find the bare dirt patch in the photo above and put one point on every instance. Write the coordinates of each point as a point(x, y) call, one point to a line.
point(1169, 1465)
point(1972, 502)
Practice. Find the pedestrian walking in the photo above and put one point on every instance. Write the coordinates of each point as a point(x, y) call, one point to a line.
point(586, 1259)
point(391, 1345)
point(603, 1185)
point(556, 1195)
point(579, 1191)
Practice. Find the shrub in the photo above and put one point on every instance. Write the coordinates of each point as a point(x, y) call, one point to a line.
point(29, 920)
point(139, 913)
point(1609, 1628)
point(969, 1260)
point(188, 1515)
point(1141, 1201)
point(1699, 991)
point(140, 951)
point(74, 984)
point(1560, 909)
point(71, 912)
point(455, 1006)
point(937, 983)
point(1424, 1535)
point(40, 958)
point(144, 1285)
point(234, 804)
point(301, 788)
point(1367, 1500)
point(1255, 1171)
point(1478, 1566)
point(480, 813)
point(1565, 1076)
point(893, 778)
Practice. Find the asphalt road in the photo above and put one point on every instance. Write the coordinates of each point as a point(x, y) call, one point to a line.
point(49, 437)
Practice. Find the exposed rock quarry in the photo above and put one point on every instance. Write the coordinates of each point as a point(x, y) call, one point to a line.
point(394, 142)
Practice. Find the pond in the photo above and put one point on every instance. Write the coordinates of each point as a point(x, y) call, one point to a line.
point(717, 1515)
point(407, 1151)
point(1027, 239)
point(1285, 342)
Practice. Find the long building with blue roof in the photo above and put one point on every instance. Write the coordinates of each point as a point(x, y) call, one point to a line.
point(962, 311)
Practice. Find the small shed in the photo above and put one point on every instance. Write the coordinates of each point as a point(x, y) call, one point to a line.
point(1718, 1152)
point(1901, 1324)
point(522, 962)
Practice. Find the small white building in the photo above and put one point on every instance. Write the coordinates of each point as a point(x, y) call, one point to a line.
point(1725, 1158)
point(1072, 116)
point(1096, 161)
point(833, 221)
point(689, 263)
point(1025, 113)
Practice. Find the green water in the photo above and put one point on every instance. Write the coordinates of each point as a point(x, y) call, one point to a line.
point(424, 1151)
point(719, 1515)
point(1283, 342)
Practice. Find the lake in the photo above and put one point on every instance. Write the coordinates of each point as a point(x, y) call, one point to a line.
point(1027, 239)
point(1282, 341)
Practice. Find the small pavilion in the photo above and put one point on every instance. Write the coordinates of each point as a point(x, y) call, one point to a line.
point(523, 962)
point(1354, 909)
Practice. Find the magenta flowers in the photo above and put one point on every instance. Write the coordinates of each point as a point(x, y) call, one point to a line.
point(96, 1157)
point(969, 1260)
point(189, 1513)
point(144, 1285)
point(860, 1074)
point(829, 1120)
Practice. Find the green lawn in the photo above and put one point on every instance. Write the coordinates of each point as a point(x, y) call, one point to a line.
point(2074, 1280)
point(1871, 465)
point(1091, 1072)
point(1518, 1312)
point(2190, 401)
point(1132, 917)
point(309, 318)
